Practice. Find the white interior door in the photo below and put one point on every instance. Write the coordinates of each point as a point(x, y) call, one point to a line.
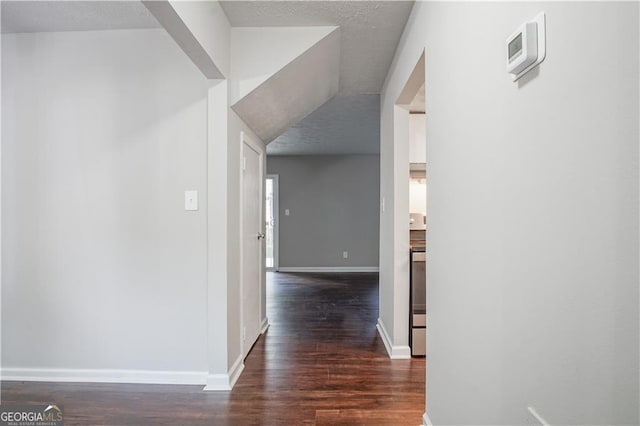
point(252, 243)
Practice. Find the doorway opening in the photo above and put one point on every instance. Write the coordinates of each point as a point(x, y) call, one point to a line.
point(411, 203)
point(271, 223)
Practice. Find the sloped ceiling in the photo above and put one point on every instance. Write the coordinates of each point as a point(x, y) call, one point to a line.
point(295, 91)
point(325, 131)
point(369, 34)
point(257, 53)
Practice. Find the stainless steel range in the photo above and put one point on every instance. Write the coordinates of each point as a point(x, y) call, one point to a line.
point(418, 303)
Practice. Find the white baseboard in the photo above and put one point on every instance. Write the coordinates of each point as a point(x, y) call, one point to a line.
point(234, 372)
point(395, 352)
point(426, 421)
point(217, 382)
point(104, 376)
point(329, 269)
point(264, 326)
point(225, 382)
point(401, 352)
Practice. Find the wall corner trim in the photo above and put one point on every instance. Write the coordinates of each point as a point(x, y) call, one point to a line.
point(426, 421)
point(225, 382)
point(217, 382)
point(395, 352)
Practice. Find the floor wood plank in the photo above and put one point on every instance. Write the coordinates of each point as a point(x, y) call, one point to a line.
point(321, 362)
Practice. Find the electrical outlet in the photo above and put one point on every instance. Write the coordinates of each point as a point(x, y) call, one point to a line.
point(345, 254)
point(287, 212)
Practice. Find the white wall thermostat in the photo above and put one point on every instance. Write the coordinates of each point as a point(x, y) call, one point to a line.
point(526, 47)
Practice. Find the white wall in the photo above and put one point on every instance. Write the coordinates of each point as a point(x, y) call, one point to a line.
point(286, 95)
point(417, 196)
point(257, 53)
point(417, 148)
point(217, 255)
point(417, 154)
point(159, 121)
point(102, 267)
point(532, 212)
point(394, 233)
point(210, 27)
point(200, 28)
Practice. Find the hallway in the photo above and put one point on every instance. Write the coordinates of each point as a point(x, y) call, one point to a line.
point(321, 362)
point(323, 356)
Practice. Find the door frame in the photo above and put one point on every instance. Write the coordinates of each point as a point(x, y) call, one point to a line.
point(247, 141)
point(401, 287)
point(276, 226)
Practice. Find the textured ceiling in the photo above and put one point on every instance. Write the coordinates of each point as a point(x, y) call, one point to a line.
point(47, 16)
point(295, 91)
point(370, 32)
point(345, 125)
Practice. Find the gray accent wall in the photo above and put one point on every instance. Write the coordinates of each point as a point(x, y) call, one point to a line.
point(333, 203)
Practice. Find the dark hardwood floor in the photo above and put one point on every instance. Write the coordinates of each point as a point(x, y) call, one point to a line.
point(321, 362)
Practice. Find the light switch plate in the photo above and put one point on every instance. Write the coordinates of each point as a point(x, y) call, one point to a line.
point(191, 200)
